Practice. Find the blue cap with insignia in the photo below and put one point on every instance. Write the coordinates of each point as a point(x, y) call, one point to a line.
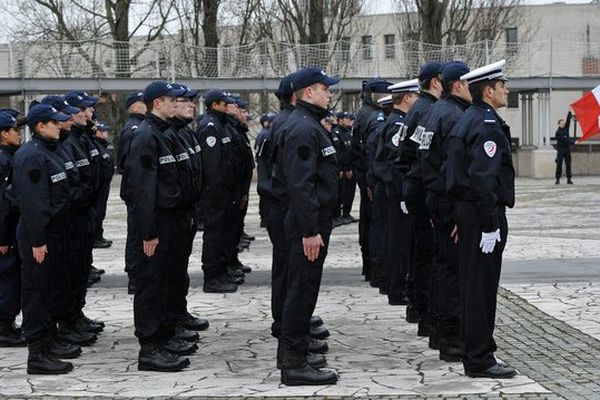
point(378, 85)
point(7, 121)
point(430, 70)
point(453, 70)
point(44, 113)
point(494, 71)
point(80, 99)
point(306, 77)
point(215, 96)
point(405, 86)
point(161, 88)
point(134, 97)
point(60, 104)
point(285, 89)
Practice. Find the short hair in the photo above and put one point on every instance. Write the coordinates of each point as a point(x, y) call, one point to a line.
point(150, 105)
point(397, 98)
point(447, 86)
point(560, 120)
point(478, 88)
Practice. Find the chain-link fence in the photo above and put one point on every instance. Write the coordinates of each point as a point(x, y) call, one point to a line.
point(170, 59)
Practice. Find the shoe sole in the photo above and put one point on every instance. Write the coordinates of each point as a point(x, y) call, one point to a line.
point(219, 291)
point(450, 358)
point(184, 353)
point(307, 383)
point(143, 367)
point(484, 375)
point(32, 371)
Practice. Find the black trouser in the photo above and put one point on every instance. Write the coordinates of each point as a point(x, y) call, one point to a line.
point(234, 226)
point(133, 246)
point(363, 223)
point(10, 285)
point(40, 283)
point(184, 278)
point(422, 248)
point(158, 280)
point(376, 228)
point(445, 288)
point(341, 184)
point(303, 283)
point(349, 190)
point(279, 264)
point(81, 243)
point(563, 154)
point(217, 214)
point(397, 247)
point(479, 277)
point(100, 207)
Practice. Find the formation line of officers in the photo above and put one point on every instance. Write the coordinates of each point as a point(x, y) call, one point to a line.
point(431, 157)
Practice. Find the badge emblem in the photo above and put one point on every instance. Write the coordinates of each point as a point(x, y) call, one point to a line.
point(396, 139)
point(490, 148)
point(211, 141)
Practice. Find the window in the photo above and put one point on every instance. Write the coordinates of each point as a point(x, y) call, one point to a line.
point(390, 46)
point(460, 37)
point(485, 34)
point(367, 43)
point(343, 47)
point(512, 40)
point(226, 54)
point(513, 100)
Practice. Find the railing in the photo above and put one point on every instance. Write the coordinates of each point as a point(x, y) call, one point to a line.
point(170, 59)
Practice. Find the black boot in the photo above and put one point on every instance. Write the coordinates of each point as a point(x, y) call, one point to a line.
point(188, 321)
point(153, 357)
point(61, 349)
point(39, 362)
point(217, 285)
point(131, 283)
point(557, 181)
point(318, 332)
point(236, 280)
point(97, 271)
point(434, 338)
point(92, 321)
point(245, 269)
point(69, 333)
point(412, 314)
point(180, 347)
point(315, 320)
point(100, 244)
point(186, 335)
point(451, 348)
point(297, 372)
point(10, 336)
point(235, 272)
point(375, 273)
point(317, 346)
point(569, 181)
point(424, 328)
point(83, 326)
point(314, 360)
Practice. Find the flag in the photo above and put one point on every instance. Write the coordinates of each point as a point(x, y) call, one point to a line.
point(587, 109)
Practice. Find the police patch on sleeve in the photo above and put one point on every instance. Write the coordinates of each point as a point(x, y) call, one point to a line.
point(396, 139)
point(490, 148)
point(211, 141)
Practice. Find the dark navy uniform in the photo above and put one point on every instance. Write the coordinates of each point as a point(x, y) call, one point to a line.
point(480, 176)
point(563, 149)
point(348, 186)
point(218, 199)
point(263, 168)
point(444, 291)
point(42, 192)
point(133, 246)
point(158, 197)
point(310, 168)
point(414, 196)
point(107, 172)
point(10, 263)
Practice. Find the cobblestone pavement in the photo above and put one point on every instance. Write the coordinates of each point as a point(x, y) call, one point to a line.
point(548, 331)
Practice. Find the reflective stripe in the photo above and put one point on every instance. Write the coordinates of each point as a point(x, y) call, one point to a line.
point(226, 140)
point(58, 177)
point(82, 163)
point(166, 159)
point(94, 153)
point(69, 165)
point(183, 157)
point(426, 138)
point(105, 156)
point(327, 151)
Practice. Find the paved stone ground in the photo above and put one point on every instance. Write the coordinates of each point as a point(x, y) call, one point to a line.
point(548, 331)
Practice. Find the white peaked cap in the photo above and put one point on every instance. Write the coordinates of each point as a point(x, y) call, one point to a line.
point(385, 100)
point(487, 72)
point(405, 86)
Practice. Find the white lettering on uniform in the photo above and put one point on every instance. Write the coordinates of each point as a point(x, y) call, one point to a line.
point(94, 153)
point(82, 163)
point(327, 151)
point(226, 140)
point(417, 136)
point(69, 165)
point(61, 176)
point(166, 159)
point(426, 138)
point(183, 157)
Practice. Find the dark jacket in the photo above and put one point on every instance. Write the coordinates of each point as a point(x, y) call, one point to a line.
point(385, 162)
point(366, 121)
point(41, 188)
point(563, 141)
point(188, 139)
point(125, 138)
point(310, 167)
point(479, 166)
point(409, 147)
point(9, 213)
point(278, 180)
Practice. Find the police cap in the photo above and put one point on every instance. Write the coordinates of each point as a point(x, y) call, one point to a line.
point(341, 114)
point(264, 118)
point(10, 111)
point(103, 127)
point(80, 99)
point(134, 97)
point(405, 86)
point(7, 121)
point(215, 96)
point(189, 93)
point(161, 88)
point(430, 70)
point(60, 104)
point(285, 90)
point(44, 113)
point(494, 71)
point(306, 77)
point(453, 70)
point(378, 85)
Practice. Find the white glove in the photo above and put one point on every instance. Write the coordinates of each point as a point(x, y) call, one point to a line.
point(403, 207)
point(488, 241)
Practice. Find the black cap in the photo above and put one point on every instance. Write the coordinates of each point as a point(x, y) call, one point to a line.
point(161, 88)
point(285, 90)
point(306, 77)
point(341, 114)
point(430, 70)
point(189, 93)
point(10, 111)
point(134, 97)
point(453, 70)
point(264, 118)
point(80, 99)
point(7, 121)
point(378, 85)
point(216, 95)
point(103, 127)
point(60, 104)
point(45, 113)
point(242, 103)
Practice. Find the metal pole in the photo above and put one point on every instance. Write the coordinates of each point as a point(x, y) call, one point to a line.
point(550, 84)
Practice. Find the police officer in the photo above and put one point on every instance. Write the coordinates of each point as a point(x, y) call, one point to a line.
point(444, 302)
point(218, 198)
point(262, 169)
point(158, 196)
point(394, 243)
point(563, 148)
point(310, 169)
point(349, 181)
point(420, 234)
point(10, 263)
point(480, 176)
point(368, 118)
point(42, 195)
point(133, 248)
point(338, 137)
point(106, 161)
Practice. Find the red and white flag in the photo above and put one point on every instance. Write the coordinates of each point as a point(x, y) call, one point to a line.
point(587, 109)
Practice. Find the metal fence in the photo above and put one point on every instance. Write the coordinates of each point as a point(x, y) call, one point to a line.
point(170, 59)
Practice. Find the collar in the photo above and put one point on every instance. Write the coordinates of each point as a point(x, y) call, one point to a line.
point(160, 123)
point(398, 111)
point(462, 103)
point(180, 123)
point(221, 116)
point(47, 143)
point(9, 149)
point(429, 95)
point(314, 111)
point(487, 107)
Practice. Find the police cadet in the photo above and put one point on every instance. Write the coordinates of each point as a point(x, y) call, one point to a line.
point(158, 196)
point(338, 137)
point(185, 135)
point(368, 118)
point(134, 103)
point(10, 263)
point(394, 244)
point(106, 161)
point(444, 303)
point(344, 126)
point(263, 167)
point(480, 176)
point(310, 169)
point(218, 194)
point(420, 234)
point(42, 195)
